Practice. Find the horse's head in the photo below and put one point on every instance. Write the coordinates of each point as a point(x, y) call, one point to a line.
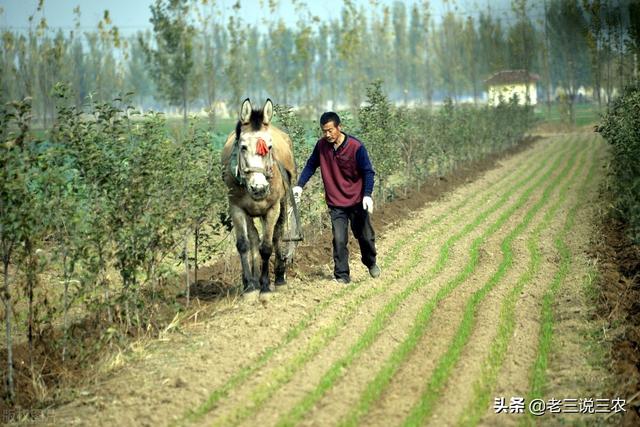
point(255, 160)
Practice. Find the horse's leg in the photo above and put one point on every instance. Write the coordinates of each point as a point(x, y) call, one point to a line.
point(254, 243)
point(240, 223)
point(266, 247)
point(281, 261)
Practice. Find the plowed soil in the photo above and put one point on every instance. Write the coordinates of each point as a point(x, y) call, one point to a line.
point(453, 325)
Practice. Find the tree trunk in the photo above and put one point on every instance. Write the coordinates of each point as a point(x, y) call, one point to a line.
point(307, 83)
point(107, 299)
point(475, 89)
point(186, 267)
point(66, 305)
point(545, 61)
point(151, 274)
point(127, 297)
point(101, 281)
point(597, 80)
point(621, 48)
point(572, 112)
point(184, 103)
point(211, 91)
point(195, 255)
point(608, 89)
point(6, 299)
point(136, 288)
point(31, 271)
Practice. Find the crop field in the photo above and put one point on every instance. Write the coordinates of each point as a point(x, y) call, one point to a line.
point(483, 300)
point(506, 209)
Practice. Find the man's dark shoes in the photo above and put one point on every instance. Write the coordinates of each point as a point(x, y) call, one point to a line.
point(374, 271)
point(343, 280)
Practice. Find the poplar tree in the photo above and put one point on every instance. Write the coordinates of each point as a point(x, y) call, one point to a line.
point(568, 29)
point(281, 46)
point(427, 28)
point(350, 48)
point(382, 50)
point(234, 70)
point(171, 60)
point(303, 57)
point(471, 57)
point(400, 50)
point(416, 48)
point(137, 75)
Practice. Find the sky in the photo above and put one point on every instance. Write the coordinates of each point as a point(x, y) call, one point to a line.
point(133, 15)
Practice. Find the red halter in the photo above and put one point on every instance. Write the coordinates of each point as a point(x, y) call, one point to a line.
point(261, 148)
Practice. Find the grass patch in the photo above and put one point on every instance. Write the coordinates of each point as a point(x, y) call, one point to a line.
point(585, 113)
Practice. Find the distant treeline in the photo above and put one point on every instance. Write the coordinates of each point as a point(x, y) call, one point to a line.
point(194, 58)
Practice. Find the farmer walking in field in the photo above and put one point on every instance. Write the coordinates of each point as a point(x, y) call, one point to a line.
point(347, 175)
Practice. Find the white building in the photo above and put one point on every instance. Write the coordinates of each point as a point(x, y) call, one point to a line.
point(505, 84)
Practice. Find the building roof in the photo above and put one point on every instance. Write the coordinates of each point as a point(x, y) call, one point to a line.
point(512, 77)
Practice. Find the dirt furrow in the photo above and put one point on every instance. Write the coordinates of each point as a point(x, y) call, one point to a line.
point(477, 352)
point(573, 370)
point(514, 377)
point(397, 400)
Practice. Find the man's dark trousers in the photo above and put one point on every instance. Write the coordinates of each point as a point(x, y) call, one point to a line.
point(362, 231)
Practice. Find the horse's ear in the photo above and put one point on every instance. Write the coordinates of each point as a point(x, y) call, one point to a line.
point(267, 111)
point(245, 111)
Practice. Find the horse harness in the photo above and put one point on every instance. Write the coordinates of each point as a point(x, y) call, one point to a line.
point(240, 170)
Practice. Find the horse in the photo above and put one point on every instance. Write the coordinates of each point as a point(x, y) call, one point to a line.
point(258, 169)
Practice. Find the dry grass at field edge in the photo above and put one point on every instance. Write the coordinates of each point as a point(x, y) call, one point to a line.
point(619, 306)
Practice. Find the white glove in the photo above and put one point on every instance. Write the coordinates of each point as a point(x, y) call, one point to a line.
point(297, 193)
point(367, 204)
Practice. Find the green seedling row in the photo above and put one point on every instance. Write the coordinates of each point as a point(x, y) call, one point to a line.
point(381, 318)
point(539, 371)
point(493, 361)
point(445, 365)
